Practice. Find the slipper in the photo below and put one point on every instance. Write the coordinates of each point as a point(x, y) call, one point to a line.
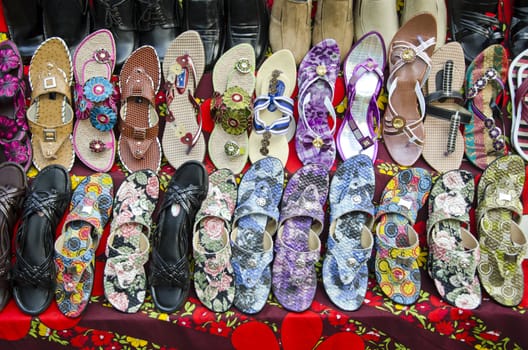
point(96, 101)
point(444, 144)
point(409, 66)
point(350, 240)
point(33, 273)
point(127, 248)
point(314, 138)
point(183, 68)
point(50, 115)
point(363, 73)
point(485, 79)
point(397, 246)
point(138, 146)
point(297, 247)
point(503, 244)
point(13, 186)
point(169, 275)
point(233, 83)
point(254, 223)
point(90, 209)
point(214, 279)
point(454, 251)
point(518, 83)
point(273, 107)
point(15, 142)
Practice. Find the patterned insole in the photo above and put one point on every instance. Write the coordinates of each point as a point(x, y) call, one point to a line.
point(126, 240)
point(296, 233)
point(210, 234)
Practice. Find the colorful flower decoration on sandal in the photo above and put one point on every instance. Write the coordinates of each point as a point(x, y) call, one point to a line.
point(9, 85)
point(8, 60)
point(103, 118)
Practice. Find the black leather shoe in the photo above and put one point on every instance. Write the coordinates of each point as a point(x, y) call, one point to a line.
point(159, 22)
point(24, 21)
point(475, 25)
point(118, 16)
point(247, 21)
point(207, 18)
point(67, 19)
point(519, 27)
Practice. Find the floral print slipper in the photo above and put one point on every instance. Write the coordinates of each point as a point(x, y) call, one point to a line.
point(350, 241)
point(15, 143)
point(254, 222)
point(297, 247)
point(454, 251)
point(397, 246)
point(91, 205)
point(214, 279)
point(128, 245)
point(502, 242)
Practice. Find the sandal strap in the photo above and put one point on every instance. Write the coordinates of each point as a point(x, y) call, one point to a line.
point(520, 96)
point(126, 266)
point(408, 208)
point(405, 53)
point(300, 264)
point(187, 198)
point(44, 202)
point(51, 80)
point(163, 273)
point(306, 205)
point(474, 22)
point(272, 103)
point(138, 139)
point(441, 215)
point(248, 266)
point(25, 274)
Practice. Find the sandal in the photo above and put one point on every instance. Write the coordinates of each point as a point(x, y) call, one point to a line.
point(231, 108)
point(314, 139)
point(518, 83)
point(363, 73)
point(444, 144)
point(410, 63)
point(14, 138)
point(169, 265)
point(91, 206)
point(33, 271)
point(96, 100)
point(518, 29)
point(183, 68)
point(138, 145)
point(503, 244)
point(50, 115)
point(485, 79)
point(127, 248)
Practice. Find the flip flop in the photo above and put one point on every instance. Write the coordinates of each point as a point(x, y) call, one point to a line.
point(50, 115)
point(254, 223)
point(91, 206)
point(233, 83)
point(454, 251)
point(96, 100)
point(183, 67)
point(503, 244)
point(409, 66)
point(297, 246)
point(485, 79)
point(444, 143)
point(138, 146)
point(214, 279)
point(350, 240)
point(518, 83)
point(314, 138)
point(397, 246)
point(273, 107)
point(363, 72)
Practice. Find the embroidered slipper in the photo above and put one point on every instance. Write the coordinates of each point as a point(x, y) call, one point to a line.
point(233, 83)
point(96, 101)
point(397, 246)
point(485, 79)
point(503, 244)
point(183, 68)
point(127, 248)
point(214, 279)
point(273, 107)
point(254, 223)
point(409, 66)
point(350, 240)
point(138, 146)
point(90, 209)
point(297, 247)
point(454, 251)
point(314, 138)
point(444, 144)
point(50, 115)
point(518, 83)
point(363, 73)
point(15, 143)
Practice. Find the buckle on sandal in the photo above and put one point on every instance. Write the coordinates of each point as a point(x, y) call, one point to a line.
point(50, 83)
point(50, 135)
